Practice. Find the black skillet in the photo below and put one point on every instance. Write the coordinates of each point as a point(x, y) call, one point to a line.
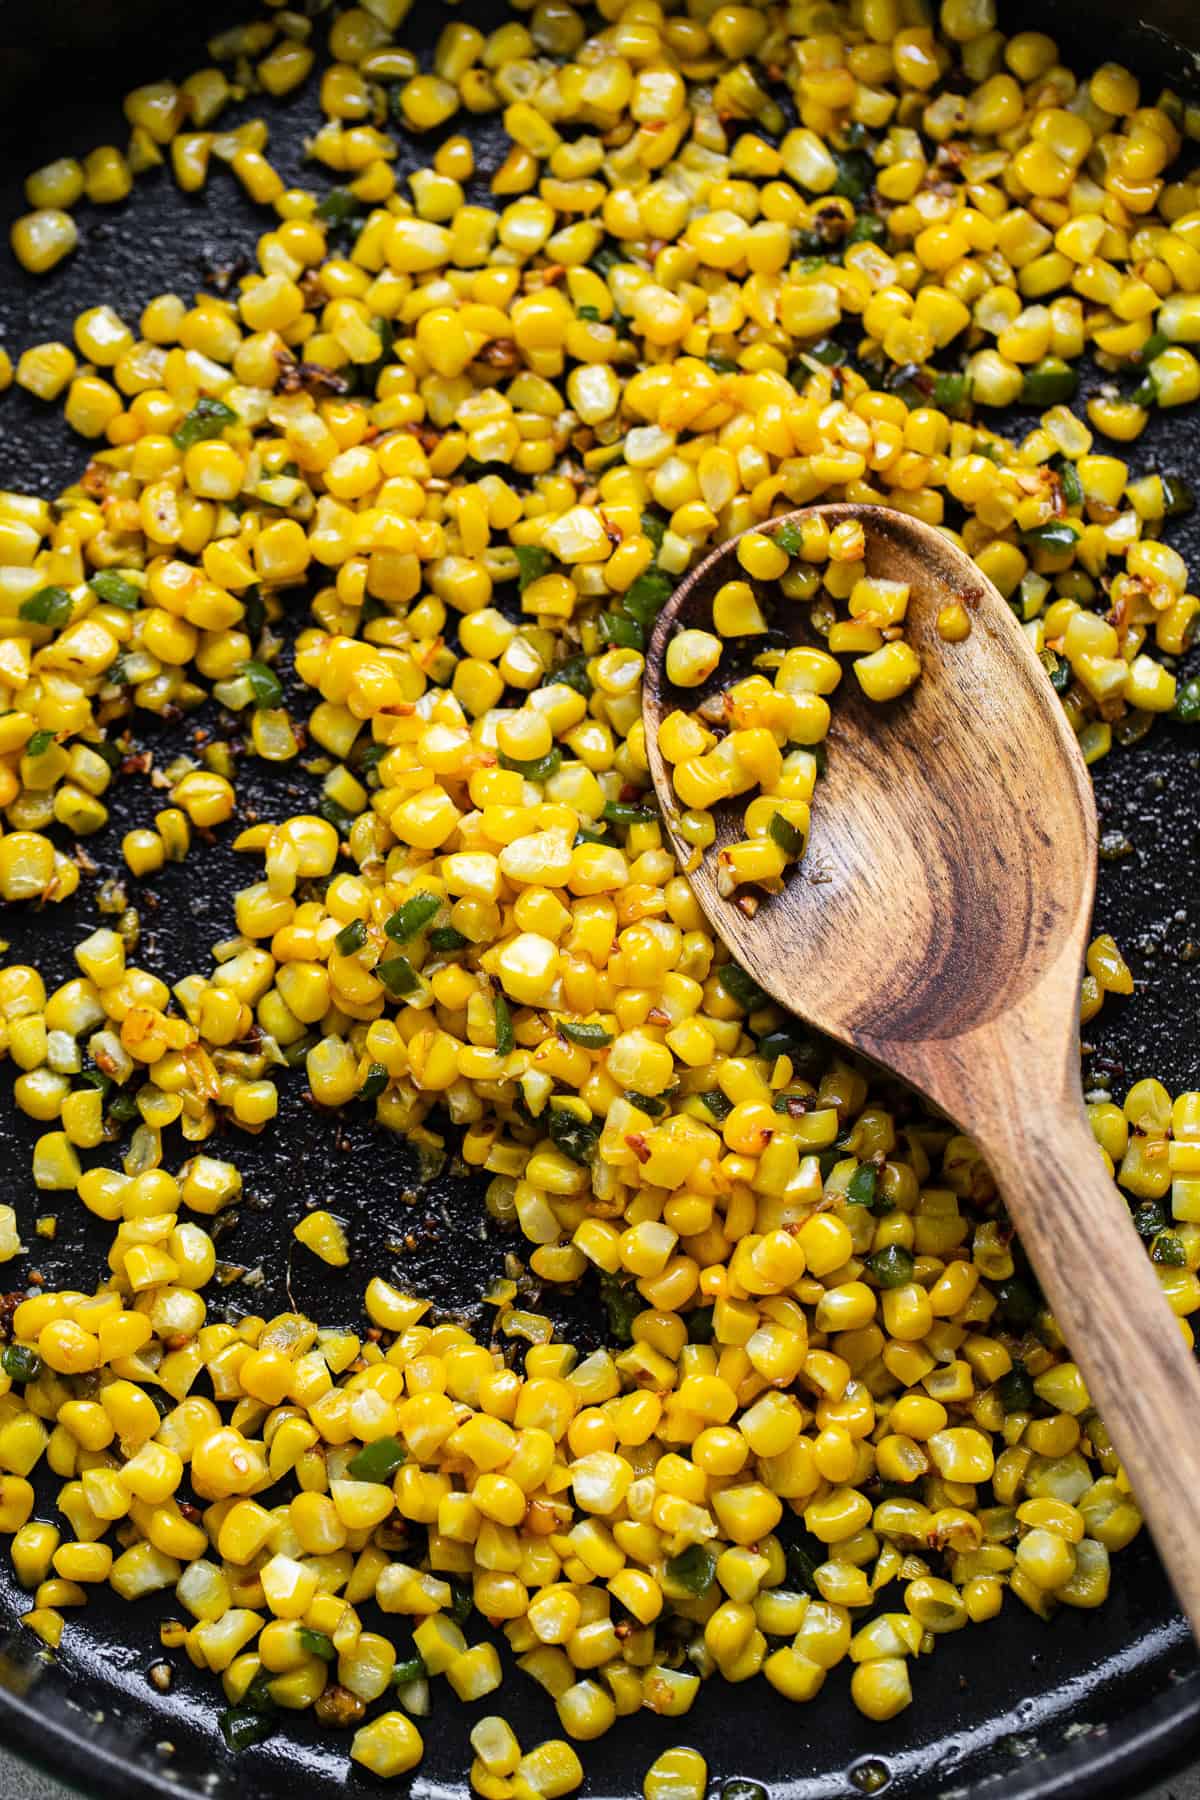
point(1094, 1704)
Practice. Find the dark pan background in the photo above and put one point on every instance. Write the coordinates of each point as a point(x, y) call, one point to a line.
point(1093, 1704)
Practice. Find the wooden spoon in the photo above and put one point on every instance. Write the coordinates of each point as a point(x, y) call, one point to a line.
point(937, 923)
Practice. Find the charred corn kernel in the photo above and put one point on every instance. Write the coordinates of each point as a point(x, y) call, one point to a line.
point(692, 657)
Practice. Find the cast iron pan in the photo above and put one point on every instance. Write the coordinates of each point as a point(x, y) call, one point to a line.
point(1094, 1703)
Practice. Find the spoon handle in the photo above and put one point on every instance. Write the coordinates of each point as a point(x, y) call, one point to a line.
point(1101, 1286)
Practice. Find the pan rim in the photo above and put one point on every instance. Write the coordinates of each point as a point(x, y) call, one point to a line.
point(1152, 1744)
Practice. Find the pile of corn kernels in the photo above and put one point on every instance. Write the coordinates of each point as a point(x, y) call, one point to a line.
point(446, 450)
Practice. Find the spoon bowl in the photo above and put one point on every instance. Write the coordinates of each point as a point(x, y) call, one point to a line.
point(935, 816)
point(936, 923)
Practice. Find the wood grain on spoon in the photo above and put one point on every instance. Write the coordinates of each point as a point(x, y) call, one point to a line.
point(937, 923)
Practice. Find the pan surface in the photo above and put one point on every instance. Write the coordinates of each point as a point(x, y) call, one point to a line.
point(1094, 1703)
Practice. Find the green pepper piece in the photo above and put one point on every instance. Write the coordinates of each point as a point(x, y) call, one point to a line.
point(575, 1137)
point(369, 373)
point(39, 743)
point(621, 812)
point(653, 1104)
point(398, 976)
point(532, 562)
point(1057, 668)
point(338, 207)
point(892, 1266)
point(862, 1185)
point(505, 1040)
point(623, 1304)
point(351, 937)
point(627, 634)
point(1149, 1219)
point(1187, 702)
point(337, 816)
point(377, 1461)
point(740, 986)
point(1177, 496)
point(241, 1726)
point(49, 606)
point(573, 674)
point(207, 419)
point(693, 1570)
point(1018, 1304)
point(462, 1602)
point(584, 1032)
point(114, 590)
point(1068, 476)
point(645, 598)
point(411, 1669)
point(257, 1697)
point(445, 939)
point(789, 837)
point(654, 526)
point(412, 916)
point(373, 1086)
point(1015, 1390)
point(1049, 383)
point(538, 768)
point(1057, 537)
point(20, 1363)
point(951, 391)
point(717, 1103)
point(317, 1643)
point(803, 1560)
point(868, 227)
point(855, 173)
point(265, 684)
point(806, 1053)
